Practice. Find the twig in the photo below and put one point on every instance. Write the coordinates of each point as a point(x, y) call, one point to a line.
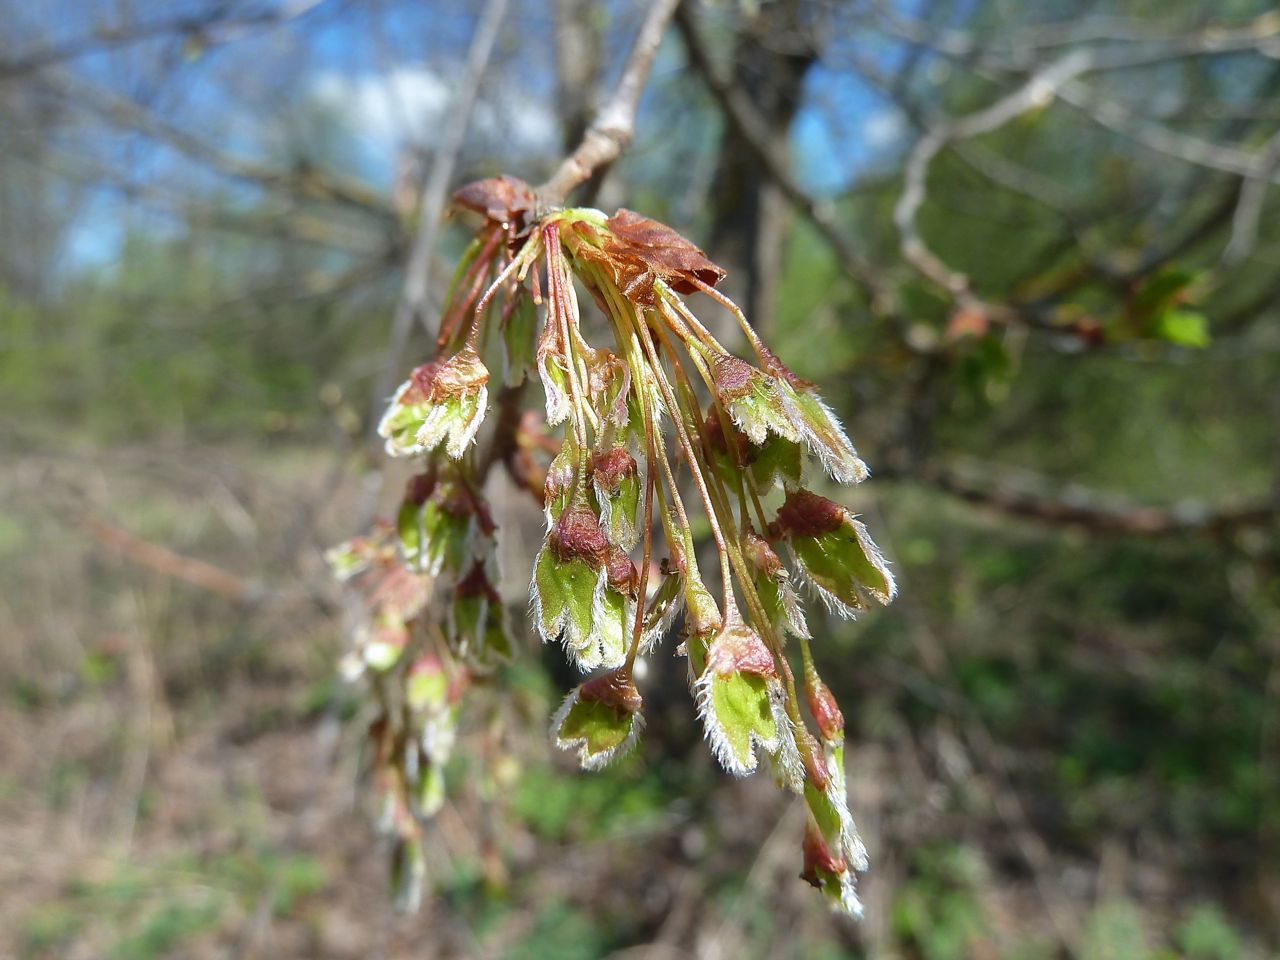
point(1051, 82)
point(168, 563)
point(1037, 91)
point(754, 132)
point(1181, 146)
point(209, 27)
point(417, 280)
point(1137, 45)
point(612, 129)
point(1248, 214)
point(1098, 512)
point(302, 180)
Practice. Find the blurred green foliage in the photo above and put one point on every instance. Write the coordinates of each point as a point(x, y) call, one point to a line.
point(149, 912)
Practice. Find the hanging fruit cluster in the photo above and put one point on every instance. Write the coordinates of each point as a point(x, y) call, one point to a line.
point(661, 410)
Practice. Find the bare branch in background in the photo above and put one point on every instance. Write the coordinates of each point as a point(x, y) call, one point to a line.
point(1037, 91)
point(1031, 498)
point(305, 181)
point(1055, 81)
point(414, 296)
point(1248, 213)
point(1193, 150)
point(170, 563)
point(213, 26)
point(1128, 44)
point(614, 126)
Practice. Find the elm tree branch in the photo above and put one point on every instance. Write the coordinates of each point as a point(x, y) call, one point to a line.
point(1058, 80)
point(614, 125)
point(1098, 512)
point(305, 181)
point(1038, 91)
point(1248, 212)
point(1121, 43)
point(210, 27)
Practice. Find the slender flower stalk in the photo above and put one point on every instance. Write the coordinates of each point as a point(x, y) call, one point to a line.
point(660, 397)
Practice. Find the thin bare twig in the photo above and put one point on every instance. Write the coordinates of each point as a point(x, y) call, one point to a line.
point(210, 27)
point(1197, 151)
point(417, 280)
point(1037, 91)
point(303, 180)
point(615, 124)
point(168, 563)
point(1053, 81)
point(1095, 511)
point(1136, 44)
point(1248, 213)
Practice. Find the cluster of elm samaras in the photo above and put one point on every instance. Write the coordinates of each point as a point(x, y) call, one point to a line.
point(661, 417)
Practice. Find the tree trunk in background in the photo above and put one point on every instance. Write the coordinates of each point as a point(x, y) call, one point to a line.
point(773, 54)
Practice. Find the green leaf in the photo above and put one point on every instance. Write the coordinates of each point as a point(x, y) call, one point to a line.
point(432, 538)
point(776, 462)
point(430, 789)
point(478, 631)
point(737, 710)
point(620, 508)
point(827, 870)
point(426, 688)
point(752, 398)
point(562, 480)
point(381, 655)
point(1186, 328)
point(835, 553)
point(453, 422)
point(624, 512)
point(518, 335)
point(408, 870)
point(760, 413)
point(1167, 287)
point(441, 402)
point(345, 562)
point(597, 730)
point(600, 718)
point(614, 617)
point(823, 435)
point(564, 603)
point(555, 385)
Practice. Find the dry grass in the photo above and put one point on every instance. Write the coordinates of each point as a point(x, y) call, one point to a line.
point(181, 771)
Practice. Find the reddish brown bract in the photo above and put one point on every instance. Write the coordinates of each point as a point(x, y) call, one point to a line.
point(825, 710)
point(806, 514)
point(476, 584)
point(621, 572)
point(615, 689)
point(577, 535)
point(612, 466)
point(740, 650)
point(642, 249)
point(504, 200)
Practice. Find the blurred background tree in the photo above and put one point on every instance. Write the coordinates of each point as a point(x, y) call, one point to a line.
point(1026, 249)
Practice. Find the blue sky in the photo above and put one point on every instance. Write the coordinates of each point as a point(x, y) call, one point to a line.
point(384, 73)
